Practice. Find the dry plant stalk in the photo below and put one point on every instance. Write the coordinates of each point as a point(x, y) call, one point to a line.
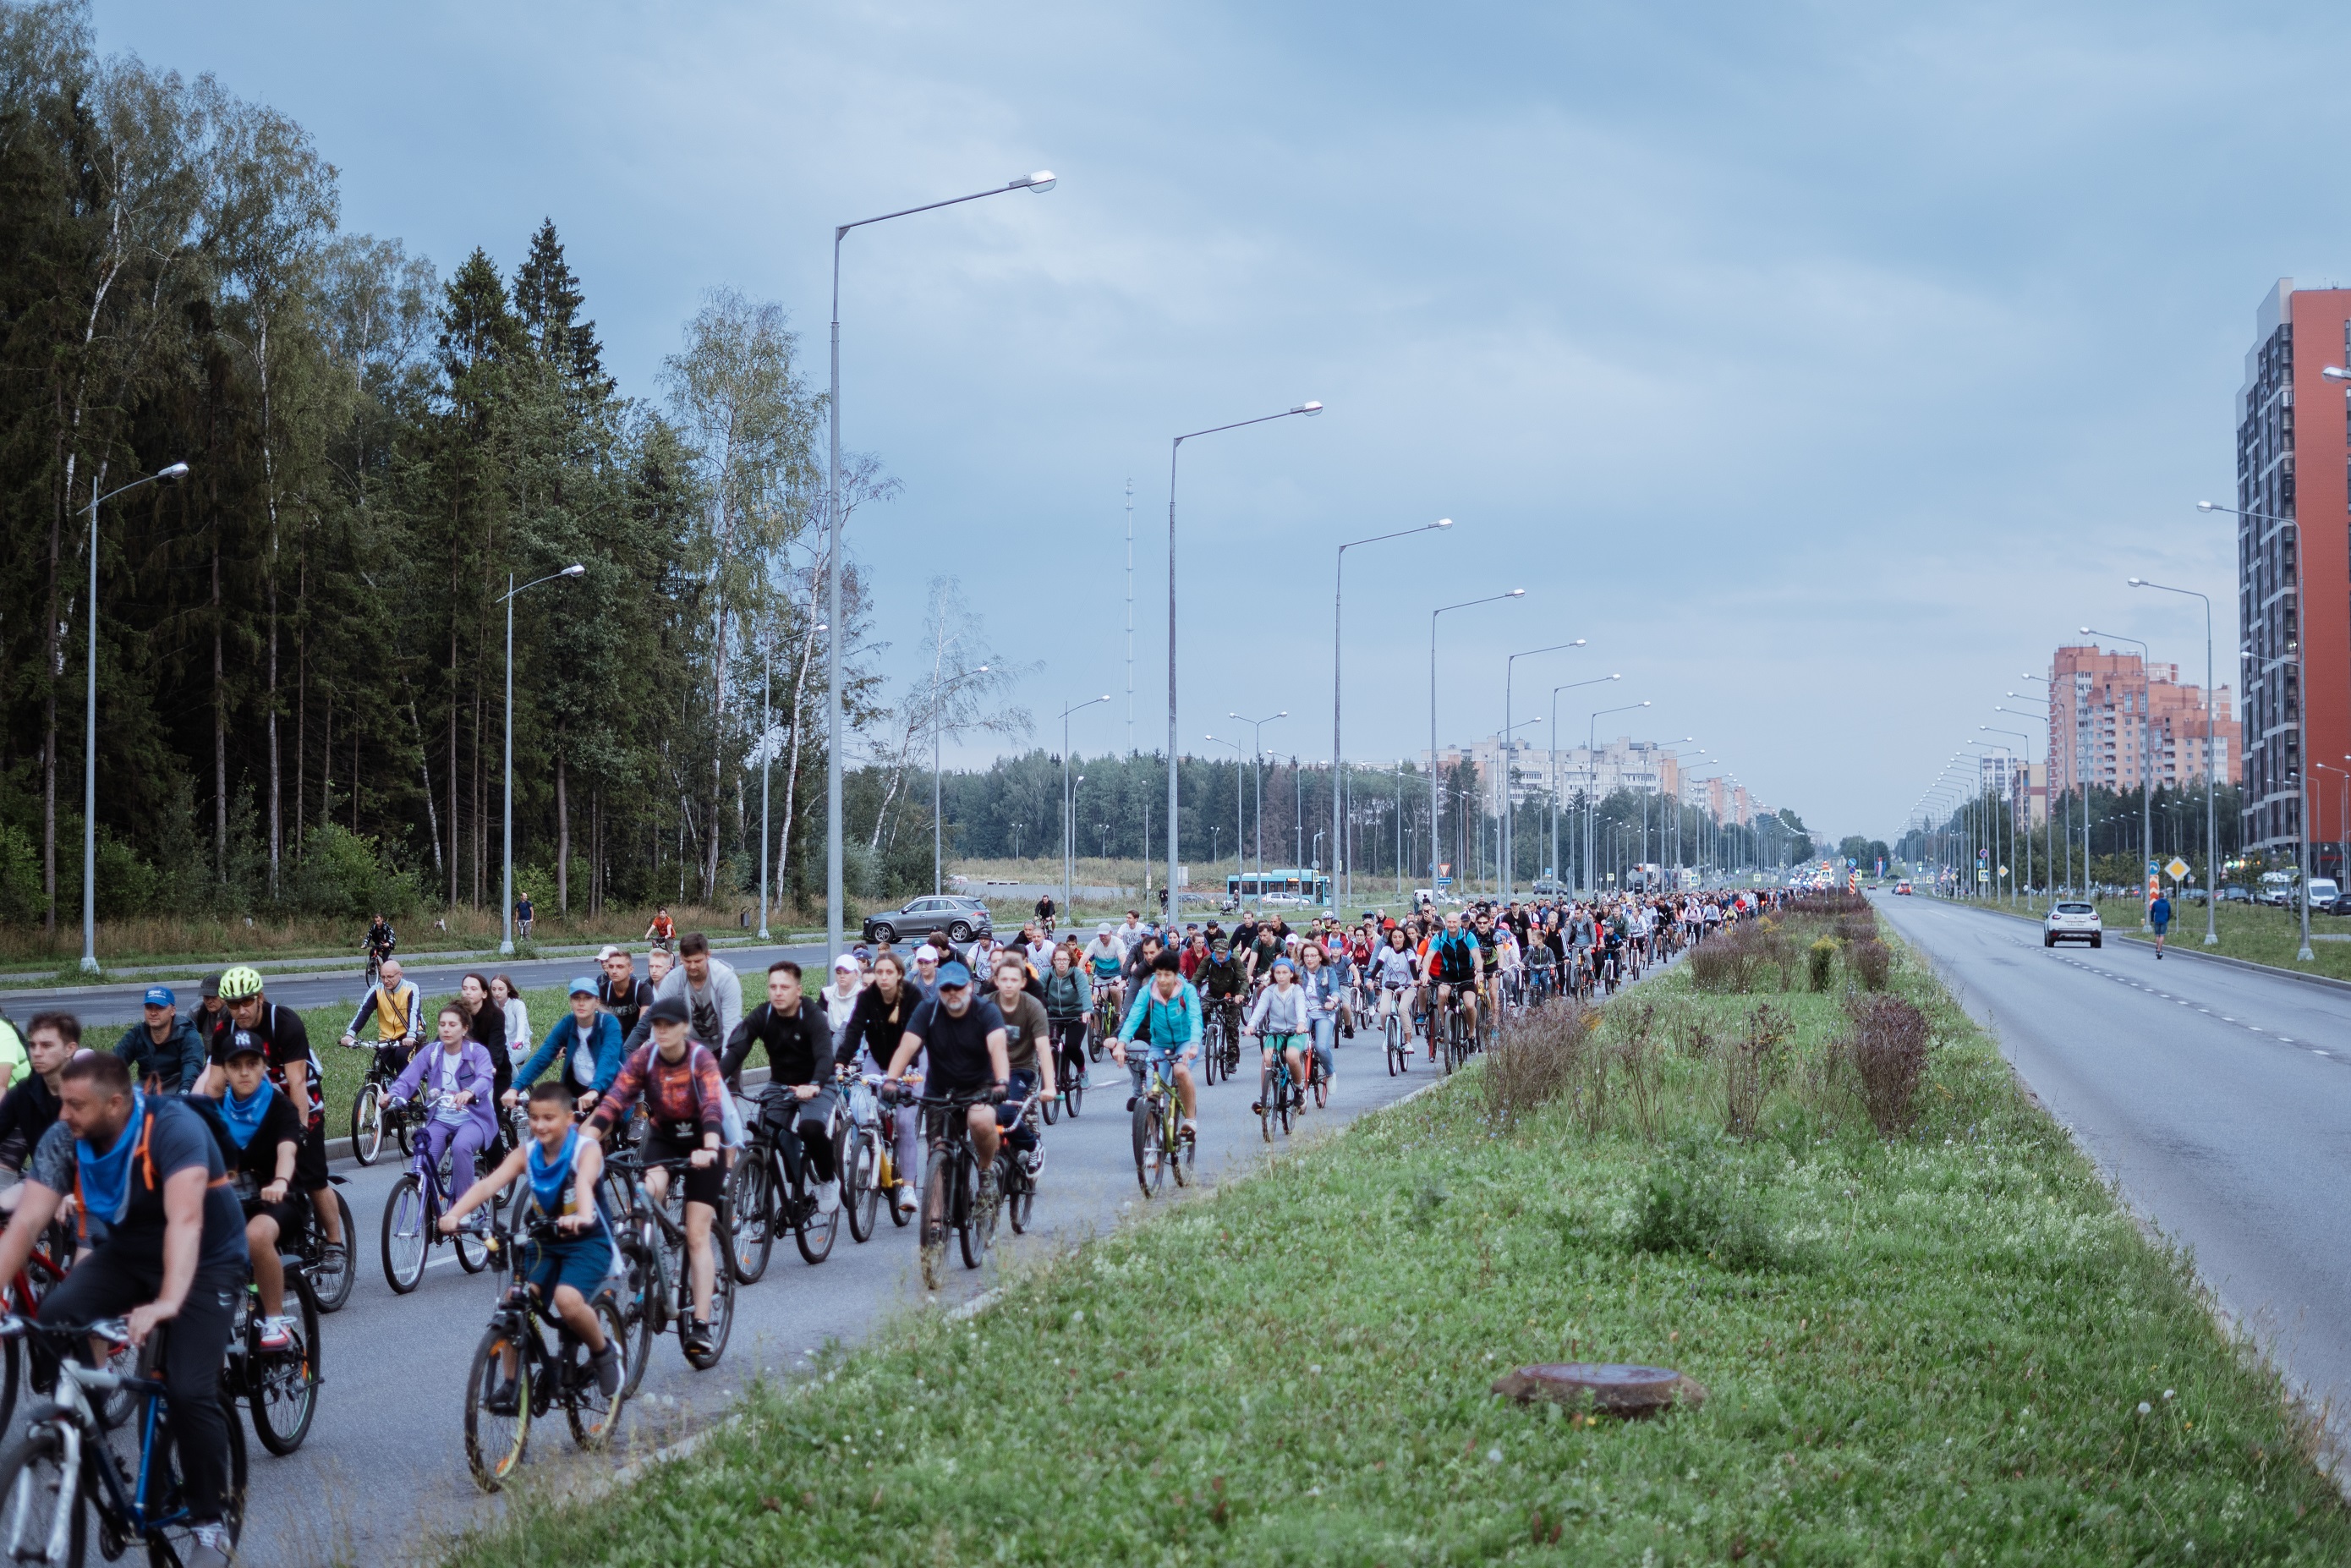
point(1753, 1065)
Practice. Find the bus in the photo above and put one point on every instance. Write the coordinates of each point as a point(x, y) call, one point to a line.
point(1312, 887)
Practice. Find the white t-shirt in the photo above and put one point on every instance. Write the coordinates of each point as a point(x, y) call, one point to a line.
point(518, 1044)
point(447, 1065)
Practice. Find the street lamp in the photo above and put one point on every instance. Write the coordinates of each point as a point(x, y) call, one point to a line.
point(2211, 739)
point(2146, 757)
point(506, 880)
point(1239, 751)
point(1502, 821)
point(1039, 182)
point(1256, 777)
point(169, 474)
point(1591, 749)
point(2027, 739)
point(1509, 838)
point(1341, 870)
point(938, 713)
point(1175, 450)
point(2296, 651)
point(1434, 806)
point(1069, 810)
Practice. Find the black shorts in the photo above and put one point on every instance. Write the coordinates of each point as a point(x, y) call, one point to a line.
point(311, 1159)
point(287, 1212)
point(707, 1185)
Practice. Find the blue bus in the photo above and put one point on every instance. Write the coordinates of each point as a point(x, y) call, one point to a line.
point(1294, 887)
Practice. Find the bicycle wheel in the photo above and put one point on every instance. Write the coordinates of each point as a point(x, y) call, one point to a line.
point(592, 1417)
point(1270, 1084)
point(285, 1399)
point(172, 1543)
point(1176, 1153)
point(861, 1193)
point(937, 1212)
point(1395, 1044)
point(367, 1123)
point(1212, 1047)
point(751, 1202)
point(405, 1242)
point(403, 1128)
point(472, 1246)
point(637, 1310)
point(1321, 1084)
point(494, 1443)
point(1072, 1083)
point(816, 1232)
point(722, 1300)
point(332, 1287)
point(37, 1494)
point(1146, 1147)
point(977, 1231)
point(1020, 1200)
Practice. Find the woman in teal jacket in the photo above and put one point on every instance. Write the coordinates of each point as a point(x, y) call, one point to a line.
point(587, 1042)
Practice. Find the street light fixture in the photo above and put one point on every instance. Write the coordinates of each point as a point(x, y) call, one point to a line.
point(1435, 841)
point(1043, 180)
point(506, 876)
point(1509, 837)
point(169, 473)
point(1342, 869)
point(2211, 740)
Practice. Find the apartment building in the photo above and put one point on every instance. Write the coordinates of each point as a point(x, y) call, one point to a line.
point(2115, 721)
point(1620, 764)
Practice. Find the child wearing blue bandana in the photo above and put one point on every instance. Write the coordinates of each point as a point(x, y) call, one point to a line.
point(268, 1132)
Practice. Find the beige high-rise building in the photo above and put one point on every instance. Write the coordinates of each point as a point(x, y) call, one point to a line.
point(2114, 721)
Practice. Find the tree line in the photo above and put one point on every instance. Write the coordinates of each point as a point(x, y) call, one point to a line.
point(300, 647)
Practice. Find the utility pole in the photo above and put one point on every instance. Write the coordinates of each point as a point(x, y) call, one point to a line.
point(1130, 621)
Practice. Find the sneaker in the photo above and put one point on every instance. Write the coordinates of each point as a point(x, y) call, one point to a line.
point(1257, 1107)
point(828, 1196)
point(988, 1186)
point(904, 1199)
point(1032, 1160)
point(696, 1337)
point(608, 1369)
point(505, 1399)
point(1189, 1132)
point(276, 1334)
point(1130, 1103)
point(209, 1547)
point(332, 1256)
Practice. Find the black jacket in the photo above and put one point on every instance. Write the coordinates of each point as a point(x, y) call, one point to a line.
point(179, 1061)
point(799, 1048)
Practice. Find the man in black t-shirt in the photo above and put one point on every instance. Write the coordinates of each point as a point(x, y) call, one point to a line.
point(154, 1199)
point(252, 1017)
point(619, 991)
point(965, 1035)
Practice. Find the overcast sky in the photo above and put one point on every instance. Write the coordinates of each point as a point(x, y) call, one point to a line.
point(1823, 365)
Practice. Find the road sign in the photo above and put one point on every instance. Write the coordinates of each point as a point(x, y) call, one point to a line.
point(1445, 881)
point(2177, 870)
point(2151, 868)
point(1982, 875)
point(2004, 871)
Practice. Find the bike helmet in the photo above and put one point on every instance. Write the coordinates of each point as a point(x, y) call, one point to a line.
point(240, 983)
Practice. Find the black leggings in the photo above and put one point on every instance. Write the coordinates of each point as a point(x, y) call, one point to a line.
point(109, 1283)
point(807, 1136)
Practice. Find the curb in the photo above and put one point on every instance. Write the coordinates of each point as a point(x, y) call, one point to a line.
point(2326, 982)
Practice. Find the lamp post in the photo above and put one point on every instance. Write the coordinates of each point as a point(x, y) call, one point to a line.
point(1341, 870)
point(1509, 838)
point(1591, 749)
point(1239, 752)
point(1435, 805)
point(1502, 821)
point(1556, 792)
point(2049, 717)
point(1039, 182)
point(1069, 810)
point(2146, 758)
point(2027, 739)
point(1175, 450)
point(2211, 786)
point(168, 475)
point(506, 880)
point(939, 714)
point(1256, 777)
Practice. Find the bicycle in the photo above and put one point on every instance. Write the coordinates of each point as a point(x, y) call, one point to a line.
point(1160, 1147)
point(544, 1377)
point(1399, 1037)
point(371, 1115)
point(33, 1280)
point(1228, 1037)
point(762, 1194)
point(1106, 1020)
point(1016, 1182)
point(659, 1298)
point(280, 1387)
point(951, 1182)
point(869, 1171)
point(1276, 1089)
point(411, 1221)
point(63, 1468)
point(1070, 1068)
point(330, 1287)
point(1318, 1077)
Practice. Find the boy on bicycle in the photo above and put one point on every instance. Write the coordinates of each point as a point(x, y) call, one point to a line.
point(268, 1132)
point(686, 1097)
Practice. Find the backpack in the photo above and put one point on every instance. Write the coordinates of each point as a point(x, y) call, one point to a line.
point(208, 1111)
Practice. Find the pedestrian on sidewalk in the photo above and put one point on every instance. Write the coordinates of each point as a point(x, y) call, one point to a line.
point(2158, 914)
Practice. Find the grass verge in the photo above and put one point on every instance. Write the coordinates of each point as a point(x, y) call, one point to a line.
point(1947, 1345)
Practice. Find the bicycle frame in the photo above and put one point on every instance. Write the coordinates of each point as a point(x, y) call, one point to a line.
point(74, 1408)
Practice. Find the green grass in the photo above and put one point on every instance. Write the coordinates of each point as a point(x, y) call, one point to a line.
point(1952, 1347)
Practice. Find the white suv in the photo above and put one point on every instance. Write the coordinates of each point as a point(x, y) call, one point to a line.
point(2073, 922)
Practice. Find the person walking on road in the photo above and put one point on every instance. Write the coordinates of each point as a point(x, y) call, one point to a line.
point(2158, 914)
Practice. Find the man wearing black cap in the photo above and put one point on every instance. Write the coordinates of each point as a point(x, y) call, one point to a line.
point(965, 1036)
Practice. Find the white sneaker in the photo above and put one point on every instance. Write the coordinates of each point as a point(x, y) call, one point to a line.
point(276, 1333)
point(828, 1196)
point(905, 1198)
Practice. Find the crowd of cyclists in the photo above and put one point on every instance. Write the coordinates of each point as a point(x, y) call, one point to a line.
point(182, 1177)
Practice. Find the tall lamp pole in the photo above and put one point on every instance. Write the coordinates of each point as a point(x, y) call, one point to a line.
point(2147, 760)
point(1436, 847)
point(2211, 786)
point(1039, 182)
point(1509, 838)
point(1175, 450)
point(1068, 812)
point(1257, 774)
point(506, 879)
point(89, 726)
point(1342, 869)
point(1239, 751)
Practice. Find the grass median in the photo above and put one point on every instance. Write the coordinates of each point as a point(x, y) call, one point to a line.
point(1928, 1333)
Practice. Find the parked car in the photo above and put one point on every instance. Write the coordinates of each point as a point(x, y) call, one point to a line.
point(961, 918)
point(2073, 922)
point(2235, 894)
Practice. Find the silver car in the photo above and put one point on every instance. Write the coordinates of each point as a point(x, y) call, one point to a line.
point(2073, 922)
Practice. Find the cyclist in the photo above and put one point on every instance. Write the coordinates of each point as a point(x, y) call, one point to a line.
point(875, 1026)
point(1027, 1058)
point(587, 1042)
point(154, 1200)
point(1167, 1015)
point(1045, 912)
point(663, 931)
point(397, 1008)
point(268, 1132)
point(619, 991)
point(1396, 971)
point(679, 1080)
point(1325, 994)
point(1279, 1017)
point(563, 1167)
point(1456, 968)
point(1065, 1007)
point(164, 1051)
point(30, 1109)
point(711, 990)
point(380, 940)
point(293, 1067)
point(798, 1038)
point(464, 1088)
point(962, 1035)
point(1105, 962)
point(1222, 983)
point(1542, 965)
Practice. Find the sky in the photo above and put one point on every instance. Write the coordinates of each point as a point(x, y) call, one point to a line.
point(1823, 366)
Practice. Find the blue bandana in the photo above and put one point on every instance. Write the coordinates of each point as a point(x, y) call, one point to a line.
point(244, 1116)
point(106, 1179)
point(548, 1177)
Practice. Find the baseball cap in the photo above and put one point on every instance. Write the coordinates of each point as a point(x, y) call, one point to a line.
point(158, 997)
point(1103, 929)
point(610, 951)
point(669, 1009)
point(240, 1044)
point(844, 964)
point(953, 972)
point(584, 985)
point(211, 988)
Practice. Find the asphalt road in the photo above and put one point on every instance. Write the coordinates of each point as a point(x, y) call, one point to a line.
point(382, 1478)
point(2217, 1098)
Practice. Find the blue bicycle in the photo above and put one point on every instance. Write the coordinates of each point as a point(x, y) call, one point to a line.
point(68, 1468)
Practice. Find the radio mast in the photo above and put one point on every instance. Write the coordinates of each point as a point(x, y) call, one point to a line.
point(1130, 618)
